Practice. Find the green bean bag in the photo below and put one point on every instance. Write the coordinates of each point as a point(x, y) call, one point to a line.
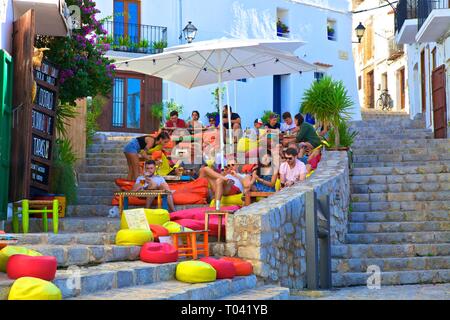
point(9, 251)
point(128, 237)
point(28, 288)
point(195, 272)
point(154, 216)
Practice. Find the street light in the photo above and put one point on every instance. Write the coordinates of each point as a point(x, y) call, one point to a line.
point(360, 30)
point(190, 31)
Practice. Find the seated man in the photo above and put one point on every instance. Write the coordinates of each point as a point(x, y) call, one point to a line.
point(150, 181)
point(288, 124)
point(292, 170)
point(229, 183)
point(273, 123)
point(307, 134)
point(175, 122)
point(235, 119)
point(257, 124)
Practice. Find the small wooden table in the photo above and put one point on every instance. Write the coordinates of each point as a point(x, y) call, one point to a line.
point(220, 214)
point(161, 194)
point(191, 249)
point(249, 195)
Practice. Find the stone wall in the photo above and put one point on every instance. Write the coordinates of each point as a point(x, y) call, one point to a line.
point(271, 233)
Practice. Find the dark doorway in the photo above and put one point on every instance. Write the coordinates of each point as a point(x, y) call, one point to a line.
point(277, 94)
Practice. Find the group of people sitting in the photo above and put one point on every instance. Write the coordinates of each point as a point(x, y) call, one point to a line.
point(281, 165)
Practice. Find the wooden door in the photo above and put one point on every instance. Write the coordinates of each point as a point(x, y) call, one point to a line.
point(423, 81)
point(439, 103)
point(401, 80)
point(127, 19)
point(370, 90)
point(23, 42)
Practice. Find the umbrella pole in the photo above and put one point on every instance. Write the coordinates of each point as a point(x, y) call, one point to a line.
point(222, 159)
point(230, 127)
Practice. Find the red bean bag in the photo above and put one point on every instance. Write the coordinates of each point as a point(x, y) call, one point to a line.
point(2, 245)
point(42, 267)
point(243, 268)
point(152, 252)
point(158, 231)
point(225, 269)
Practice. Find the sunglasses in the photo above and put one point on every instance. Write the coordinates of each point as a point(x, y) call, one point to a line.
point(290, 158)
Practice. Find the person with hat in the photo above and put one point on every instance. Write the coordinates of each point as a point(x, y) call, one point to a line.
point(273, 123)
point(257, 125)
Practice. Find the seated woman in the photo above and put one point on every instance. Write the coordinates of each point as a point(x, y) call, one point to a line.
point(140, 146)
point(195, 122)
point(265, 175)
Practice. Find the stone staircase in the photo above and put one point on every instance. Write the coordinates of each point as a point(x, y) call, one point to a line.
point(400, 215)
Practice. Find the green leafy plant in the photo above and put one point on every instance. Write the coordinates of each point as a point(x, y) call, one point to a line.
point(64, 176)
point(211, 115)
point(64, 113)
point(266, 116)
point(159, 44)
point(144, 44)
point(346, 135)
point(162, 110)
point(94, 110)
point(215, 93)
point(328, 101)
point(124, 41)
point(281, 27)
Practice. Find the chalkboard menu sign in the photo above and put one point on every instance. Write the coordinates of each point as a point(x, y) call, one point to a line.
point(42, 123)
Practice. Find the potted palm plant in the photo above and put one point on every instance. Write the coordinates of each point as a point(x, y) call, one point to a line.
point(124, 43)
point(282, 29)
point(143, 46)
point(328, 101)
point(158, 46)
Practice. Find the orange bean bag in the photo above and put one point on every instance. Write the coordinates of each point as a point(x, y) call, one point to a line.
point(225, 269)
point(41, 267)
point(158, 253)
point(158, 231)
point(243, 268)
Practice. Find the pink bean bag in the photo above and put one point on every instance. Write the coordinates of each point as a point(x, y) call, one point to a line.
point(224, 269)
point(158, 231)
point(196, 213)
point(42, 267)
point(199, 225)
point(243, 268)
point(158, 253)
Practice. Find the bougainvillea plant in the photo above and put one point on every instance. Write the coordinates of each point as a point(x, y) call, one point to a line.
point(85, 71)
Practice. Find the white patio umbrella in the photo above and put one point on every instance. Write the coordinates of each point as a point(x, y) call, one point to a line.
point(215, 61)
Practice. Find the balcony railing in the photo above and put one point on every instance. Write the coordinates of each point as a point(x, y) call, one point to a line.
point(130, 37)
point(395, 50)
point(426, 6)
point(406, 9)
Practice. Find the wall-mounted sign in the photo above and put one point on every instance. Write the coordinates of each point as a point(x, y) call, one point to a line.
point(45, 98)
point(343, 55)
point(39, 172)
point(41, 147)
point(42, 122)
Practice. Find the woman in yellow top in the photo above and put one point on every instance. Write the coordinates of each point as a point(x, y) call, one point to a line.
point(141, 145)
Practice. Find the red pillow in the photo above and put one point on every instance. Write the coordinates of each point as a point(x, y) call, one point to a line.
point(225, 269)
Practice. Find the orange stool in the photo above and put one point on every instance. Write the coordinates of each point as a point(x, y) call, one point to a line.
point(220, 214)
point(192, 248)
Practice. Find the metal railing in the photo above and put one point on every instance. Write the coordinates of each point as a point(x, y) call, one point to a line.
point(131, 37)
point(395, 50)
point(406, 9)
point(425, 7)
point(318, 242)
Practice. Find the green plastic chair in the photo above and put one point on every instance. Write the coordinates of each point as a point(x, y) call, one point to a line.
point(23, 207)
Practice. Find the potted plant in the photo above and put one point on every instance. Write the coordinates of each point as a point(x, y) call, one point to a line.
point(330, 31)
point(159, 46)
point(143, 46)
point(346, 136)
point(124, 43)
point(282, 29)
point(328, 101)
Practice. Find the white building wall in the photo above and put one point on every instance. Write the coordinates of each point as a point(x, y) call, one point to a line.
point(6, 25)
point(307, 21)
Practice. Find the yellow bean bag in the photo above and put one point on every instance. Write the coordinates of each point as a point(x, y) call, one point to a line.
point(9, 251)
point(195, 272)
point(235, 200)
point(27, 288)
point(309, 174)
point(127, 237)
point(174, 227)
point(154, 216)
point(246, 144)
point(278, 185)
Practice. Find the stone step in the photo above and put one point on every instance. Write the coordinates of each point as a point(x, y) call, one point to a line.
point(391, 264)
point(107, 149)
point(403, 157)
point(429, 149)
point(175, 290)
point(361, 251)
point(268, 292)
point(84, 255)
point(402, 164)
point(394, 137)
point(70, 224)
point(401, 206)
point(401, 196)
point(403, 187)
point(91, 200)
point(105, 155)
point(381, 227)
point(377, 123)
point(97, 185)
point(404, 216)
point(375, 143)
point(122, 170)
point(430, 170)
point(101, 177)
point(98, 210)
point(388, 129)
point(399, 237)
point(91, 238)
point(393, 277)
point(109, 276)
point(112, 161)
point(104, 192)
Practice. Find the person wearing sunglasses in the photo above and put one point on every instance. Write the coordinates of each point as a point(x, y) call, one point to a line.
point(264, 175)
point(292, 170)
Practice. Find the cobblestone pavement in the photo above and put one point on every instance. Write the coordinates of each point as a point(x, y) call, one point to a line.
point(415, 292)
